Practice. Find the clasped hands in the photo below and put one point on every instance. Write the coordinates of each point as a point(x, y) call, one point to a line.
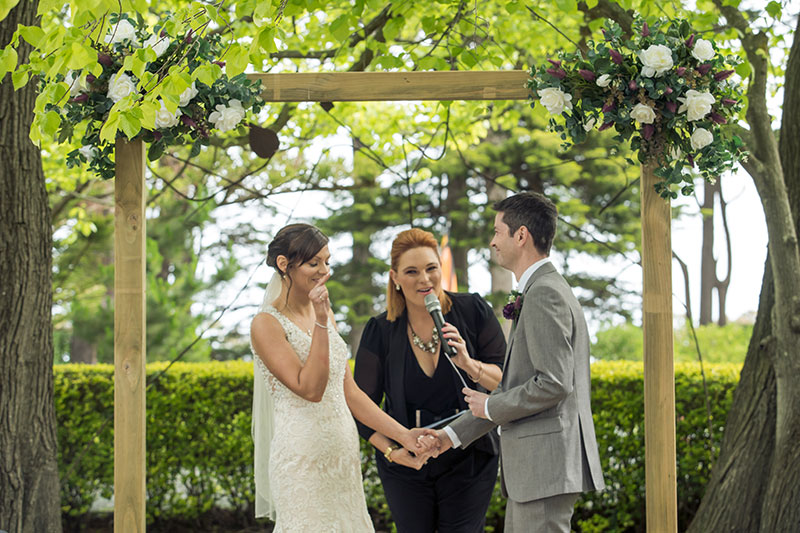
point(430, 443)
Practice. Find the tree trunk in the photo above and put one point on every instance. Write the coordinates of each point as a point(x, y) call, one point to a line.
point(734, 494)
point(457, 209)
point(709, 279)
point(755, 485)
point(29, 489)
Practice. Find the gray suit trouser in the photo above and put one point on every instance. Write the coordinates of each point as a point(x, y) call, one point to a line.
point(548, 515)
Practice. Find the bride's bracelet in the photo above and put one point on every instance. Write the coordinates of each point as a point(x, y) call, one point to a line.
point(323, 326)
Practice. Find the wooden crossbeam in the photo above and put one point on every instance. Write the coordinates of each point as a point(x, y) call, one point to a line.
point(393, 86)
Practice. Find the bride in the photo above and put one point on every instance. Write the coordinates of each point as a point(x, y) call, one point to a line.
point(307, 462)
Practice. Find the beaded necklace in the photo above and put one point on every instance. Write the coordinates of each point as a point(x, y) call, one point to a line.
point(429, 347)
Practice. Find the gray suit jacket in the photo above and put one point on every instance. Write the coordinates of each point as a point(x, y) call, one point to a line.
point(547, 439)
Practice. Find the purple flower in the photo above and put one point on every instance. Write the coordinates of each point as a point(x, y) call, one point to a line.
point(616, 57)
point(188, 121)
point(680, 71)
point(105, 60)
point(188, 38)
point(668, 90)
point(645, 30)
point(555, 62)
point(90, 78)
point(728, 101)
point(703, 69)
point(557, 72)
point(690, 159)
point(512, 309)
point(220, 63)
point(690, 41)
point(83, 97)
point(605, 126)
point(157, 135)
point(632, 85)
point(722, 75)
point(647, 131)
point(671, 107)
point(716, 117)
point(588, 75)
point(608, 107)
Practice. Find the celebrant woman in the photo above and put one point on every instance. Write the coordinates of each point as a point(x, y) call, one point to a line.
point(400, 362)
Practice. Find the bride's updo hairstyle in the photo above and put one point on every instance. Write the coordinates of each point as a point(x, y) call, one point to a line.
point(299, 243)
point(405, 241)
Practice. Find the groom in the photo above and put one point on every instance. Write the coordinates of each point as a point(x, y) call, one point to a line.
point(548, 449)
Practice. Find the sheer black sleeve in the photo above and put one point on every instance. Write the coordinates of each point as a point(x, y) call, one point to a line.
point(369, 367)
point(491, 342)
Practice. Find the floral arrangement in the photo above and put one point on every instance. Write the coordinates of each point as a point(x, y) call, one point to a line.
point(512, 309)
point(665, 89)
point(165, 86)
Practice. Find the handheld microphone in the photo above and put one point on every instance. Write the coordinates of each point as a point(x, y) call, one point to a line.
point(435, 309)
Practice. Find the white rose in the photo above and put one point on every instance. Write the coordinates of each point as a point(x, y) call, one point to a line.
point(703, 50)
point(643, 114)
point(555, 100)
point(675, 153)
point(656, 60)
point(187, 95)
point(227, 117)
point(121, 86)
point(701, 138)
point(603, 80)
point(158, 44)
point(124, 31)
point(165, 118)
point(589, 125)
point(696, 104)
point(77, 84)
point(89, 152)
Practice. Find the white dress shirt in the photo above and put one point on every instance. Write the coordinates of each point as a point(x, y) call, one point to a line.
point(523, 280)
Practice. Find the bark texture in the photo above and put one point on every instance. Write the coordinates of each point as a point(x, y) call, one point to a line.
point(29, 488)
point(755, 484)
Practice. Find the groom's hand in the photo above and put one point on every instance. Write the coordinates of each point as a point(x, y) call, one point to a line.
point(476, 401)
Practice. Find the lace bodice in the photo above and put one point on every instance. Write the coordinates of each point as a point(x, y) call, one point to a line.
point(314, 463)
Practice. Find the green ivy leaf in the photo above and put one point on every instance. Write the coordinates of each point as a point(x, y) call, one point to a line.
point(774, 9)
point(19, 78)
point(6, 6)
point(236, 60)
point(8, 61)
point(82, 55)
point(32, 34)
point(568, 6)
point(50, 124)
point(130, 123)
point(109, 130)
point(340, 28)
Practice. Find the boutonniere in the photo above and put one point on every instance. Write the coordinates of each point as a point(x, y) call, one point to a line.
point(512, 308)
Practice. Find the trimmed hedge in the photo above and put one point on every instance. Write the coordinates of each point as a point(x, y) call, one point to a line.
point(199, 451)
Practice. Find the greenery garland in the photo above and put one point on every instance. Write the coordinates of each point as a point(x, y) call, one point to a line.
point(665, 89)
point(165, 86)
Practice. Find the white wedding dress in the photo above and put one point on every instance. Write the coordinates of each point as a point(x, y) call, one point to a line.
point(314, 460)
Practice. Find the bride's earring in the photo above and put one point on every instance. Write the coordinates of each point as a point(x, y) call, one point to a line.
point(397, 286)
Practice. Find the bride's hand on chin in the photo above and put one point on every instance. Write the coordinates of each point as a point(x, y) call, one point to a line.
point(319, 299)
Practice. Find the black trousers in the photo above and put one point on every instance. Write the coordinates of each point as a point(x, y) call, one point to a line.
point(450, 494)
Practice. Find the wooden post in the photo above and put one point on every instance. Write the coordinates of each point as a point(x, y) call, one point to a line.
point(659, 372)
point(129, 338)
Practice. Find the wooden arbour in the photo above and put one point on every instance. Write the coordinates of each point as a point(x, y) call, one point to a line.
point(129, 285)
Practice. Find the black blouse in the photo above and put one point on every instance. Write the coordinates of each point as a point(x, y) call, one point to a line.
point(382, 364)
